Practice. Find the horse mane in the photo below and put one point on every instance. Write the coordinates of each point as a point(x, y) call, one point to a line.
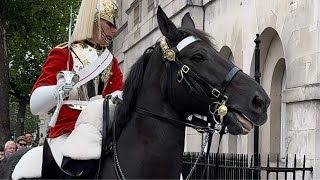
point(133, 82)
point(131, 88)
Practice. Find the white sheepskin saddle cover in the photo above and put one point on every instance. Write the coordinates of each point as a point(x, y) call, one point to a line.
point(30, 164)
point(85, 140)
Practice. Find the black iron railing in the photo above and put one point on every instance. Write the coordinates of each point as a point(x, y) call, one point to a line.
point(238, 166)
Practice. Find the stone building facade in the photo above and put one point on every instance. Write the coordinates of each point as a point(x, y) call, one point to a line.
point(290, 59)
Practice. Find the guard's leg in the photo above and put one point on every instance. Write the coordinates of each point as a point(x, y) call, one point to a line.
point(82, 149)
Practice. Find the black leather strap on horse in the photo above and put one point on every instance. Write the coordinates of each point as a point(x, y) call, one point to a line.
point(116, 162)
point(228, 78)
point(196, 84)
point(199, 126)
point(105, 124)
point(168, 87)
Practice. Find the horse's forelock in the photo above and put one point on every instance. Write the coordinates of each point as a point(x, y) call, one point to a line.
point(198, 33)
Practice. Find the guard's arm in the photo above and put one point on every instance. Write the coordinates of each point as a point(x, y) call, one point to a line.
point(45, 91)
point(43, 99)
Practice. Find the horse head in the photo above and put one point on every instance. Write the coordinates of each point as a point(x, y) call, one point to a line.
point(204, 81)
point(181, 74)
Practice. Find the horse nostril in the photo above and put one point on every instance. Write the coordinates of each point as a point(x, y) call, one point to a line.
point(257, 102)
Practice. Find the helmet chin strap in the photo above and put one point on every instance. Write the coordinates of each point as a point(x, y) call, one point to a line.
point(104, 36)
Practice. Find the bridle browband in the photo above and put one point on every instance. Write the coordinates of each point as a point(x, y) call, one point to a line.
point(196, 86)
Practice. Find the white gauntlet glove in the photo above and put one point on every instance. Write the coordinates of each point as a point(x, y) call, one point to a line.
point(44, 98)
point(65, 82)
point(115, 95)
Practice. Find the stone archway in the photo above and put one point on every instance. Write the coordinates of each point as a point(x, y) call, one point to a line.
point(227, 53)
point(272, 68)
point(277, 112)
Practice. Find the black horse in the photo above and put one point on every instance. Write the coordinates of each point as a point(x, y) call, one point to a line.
point(182, 74)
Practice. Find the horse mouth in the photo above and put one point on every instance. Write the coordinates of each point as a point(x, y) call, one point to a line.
point(245, 122)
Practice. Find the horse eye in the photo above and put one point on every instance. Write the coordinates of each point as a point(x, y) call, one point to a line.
point(197, 57)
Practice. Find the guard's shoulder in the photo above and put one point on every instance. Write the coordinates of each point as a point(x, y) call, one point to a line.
point(62, 45)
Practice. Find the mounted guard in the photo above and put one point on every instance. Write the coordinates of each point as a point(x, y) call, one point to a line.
point(75, 73)
point(160, 92)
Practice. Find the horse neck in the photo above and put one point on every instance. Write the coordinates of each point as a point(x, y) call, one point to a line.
point(154, 147)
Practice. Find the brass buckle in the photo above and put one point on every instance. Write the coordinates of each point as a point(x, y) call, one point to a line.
point(185, 69)
point(215, 92)
point(180, 74)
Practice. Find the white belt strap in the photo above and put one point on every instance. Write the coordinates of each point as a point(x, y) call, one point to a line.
point(95, 68)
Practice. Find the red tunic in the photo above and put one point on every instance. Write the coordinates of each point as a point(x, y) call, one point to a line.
point(56, 62)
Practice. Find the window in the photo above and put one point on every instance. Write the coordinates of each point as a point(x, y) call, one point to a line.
point(150, 5)
point(136, 15)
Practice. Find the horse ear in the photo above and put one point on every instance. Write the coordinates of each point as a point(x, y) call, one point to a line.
point(187, 21)
point(167, 28)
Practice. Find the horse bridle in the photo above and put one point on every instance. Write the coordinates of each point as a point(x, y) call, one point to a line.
point(197, 86)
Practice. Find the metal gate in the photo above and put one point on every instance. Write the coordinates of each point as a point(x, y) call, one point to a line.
point(240, 166)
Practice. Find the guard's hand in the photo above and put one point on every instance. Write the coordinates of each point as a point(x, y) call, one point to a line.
point(115, 95)
point(62, 88)
point(65, 82)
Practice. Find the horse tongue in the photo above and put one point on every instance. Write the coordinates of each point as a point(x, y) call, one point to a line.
point(247, 125)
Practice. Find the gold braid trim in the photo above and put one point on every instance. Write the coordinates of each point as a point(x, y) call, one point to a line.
point(105, 75)
point(78, 50)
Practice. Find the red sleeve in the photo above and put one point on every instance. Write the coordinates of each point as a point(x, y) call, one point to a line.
point(56, 61)
point(115, 82)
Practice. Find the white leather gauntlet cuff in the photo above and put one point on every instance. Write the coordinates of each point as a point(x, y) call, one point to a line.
point(43, 99)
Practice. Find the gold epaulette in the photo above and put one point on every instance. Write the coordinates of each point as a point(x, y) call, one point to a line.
point(62, 45)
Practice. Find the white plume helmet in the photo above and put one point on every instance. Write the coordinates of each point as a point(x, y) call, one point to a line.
point(91, 11)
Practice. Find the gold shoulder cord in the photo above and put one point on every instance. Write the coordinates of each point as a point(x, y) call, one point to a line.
point(78, 51)
point(106, 73)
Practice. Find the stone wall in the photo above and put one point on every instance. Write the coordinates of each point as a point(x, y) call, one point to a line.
point(289, 31)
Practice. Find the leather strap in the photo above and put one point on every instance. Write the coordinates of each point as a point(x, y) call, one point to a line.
point(228, 78)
